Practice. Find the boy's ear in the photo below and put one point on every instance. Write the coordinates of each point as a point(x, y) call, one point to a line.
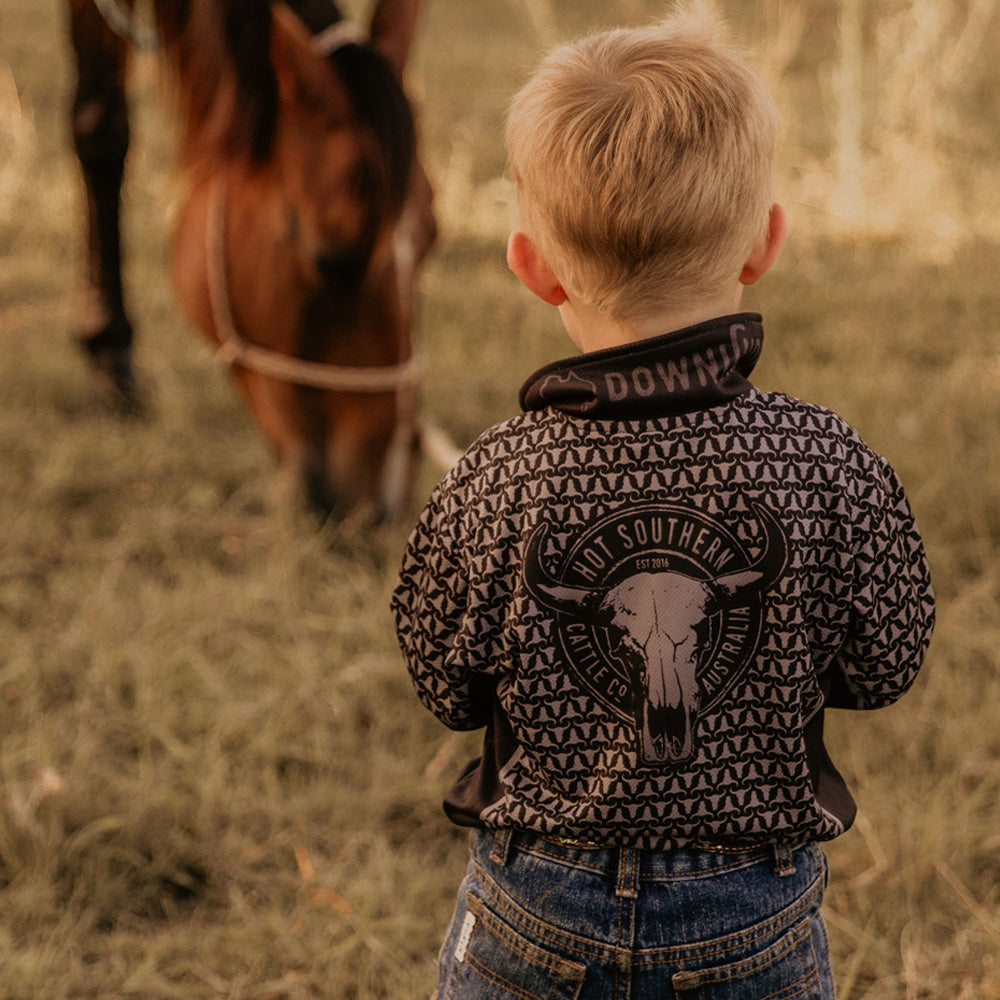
point(765, 253)
point(527, 262)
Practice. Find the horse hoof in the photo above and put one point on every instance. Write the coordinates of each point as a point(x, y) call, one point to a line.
point(115, 384)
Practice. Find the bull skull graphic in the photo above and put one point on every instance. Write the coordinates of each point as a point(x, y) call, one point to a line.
point(659, 621)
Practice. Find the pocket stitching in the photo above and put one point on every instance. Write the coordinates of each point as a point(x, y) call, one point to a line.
point(737, 970)
point(562, 970)
point(510, 936)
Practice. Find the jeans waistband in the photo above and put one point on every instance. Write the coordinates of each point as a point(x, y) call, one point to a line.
point(641, 861)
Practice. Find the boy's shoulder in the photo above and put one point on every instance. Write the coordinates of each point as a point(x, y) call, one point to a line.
point(790, 426)
point(529, 432)
point(790, 413)
point(817, 434)
point(505, 438)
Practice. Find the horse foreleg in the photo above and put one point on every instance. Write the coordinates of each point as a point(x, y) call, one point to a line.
point(101, 139)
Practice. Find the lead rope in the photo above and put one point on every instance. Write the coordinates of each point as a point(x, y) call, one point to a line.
point(339, 34)
point(122, 22)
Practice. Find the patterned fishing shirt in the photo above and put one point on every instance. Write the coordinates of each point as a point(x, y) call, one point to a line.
point(648, 587)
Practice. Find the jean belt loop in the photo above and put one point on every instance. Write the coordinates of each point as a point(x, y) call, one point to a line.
point(784, 863)
point(628, 873)
point(501, 845)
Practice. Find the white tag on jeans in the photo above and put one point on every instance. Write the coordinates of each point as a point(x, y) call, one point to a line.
point(463, 936)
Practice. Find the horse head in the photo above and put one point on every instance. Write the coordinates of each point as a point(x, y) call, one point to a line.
point(306, 249)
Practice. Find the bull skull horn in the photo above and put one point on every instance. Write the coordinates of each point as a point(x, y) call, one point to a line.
point(545, 588)
point(767, 569)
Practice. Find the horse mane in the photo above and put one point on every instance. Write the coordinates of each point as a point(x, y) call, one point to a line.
point(382, 110)
point(219, 52)
point(219, 55)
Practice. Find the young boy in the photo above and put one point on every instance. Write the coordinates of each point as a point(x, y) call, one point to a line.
point(650, 585)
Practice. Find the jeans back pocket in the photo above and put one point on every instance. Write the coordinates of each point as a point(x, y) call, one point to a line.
point(787, 970)
point(492, 961)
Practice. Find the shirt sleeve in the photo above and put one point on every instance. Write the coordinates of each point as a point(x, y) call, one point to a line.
point(892, 611)
point(429, 606)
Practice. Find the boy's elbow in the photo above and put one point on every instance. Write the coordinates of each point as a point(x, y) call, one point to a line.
point(456, 714)
point(875, 681)
point(465, 723)
point(877, 666)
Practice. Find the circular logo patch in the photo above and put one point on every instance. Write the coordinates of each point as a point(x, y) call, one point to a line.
point(659, 611)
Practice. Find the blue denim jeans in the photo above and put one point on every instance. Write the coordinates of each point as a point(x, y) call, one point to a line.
point(539, 919)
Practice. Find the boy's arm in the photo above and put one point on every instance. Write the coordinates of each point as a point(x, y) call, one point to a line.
point(429, 605)
point(892, 616)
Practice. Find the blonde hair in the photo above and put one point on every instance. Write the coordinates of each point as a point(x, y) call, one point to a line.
point(643, 162)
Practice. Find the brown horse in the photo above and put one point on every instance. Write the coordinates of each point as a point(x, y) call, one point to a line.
point(305, 214)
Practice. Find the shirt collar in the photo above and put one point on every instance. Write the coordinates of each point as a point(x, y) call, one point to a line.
point(691, 369)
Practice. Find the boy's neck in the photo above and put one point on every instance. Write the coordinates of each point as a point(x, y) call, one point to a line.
point(591, 330)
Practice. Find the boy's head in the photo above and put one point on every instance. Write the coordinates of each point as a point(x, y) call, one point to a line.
point(643, 164)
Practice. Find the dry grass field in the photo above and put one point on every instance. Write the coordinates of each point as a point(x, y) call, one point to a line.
point(214, 779)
